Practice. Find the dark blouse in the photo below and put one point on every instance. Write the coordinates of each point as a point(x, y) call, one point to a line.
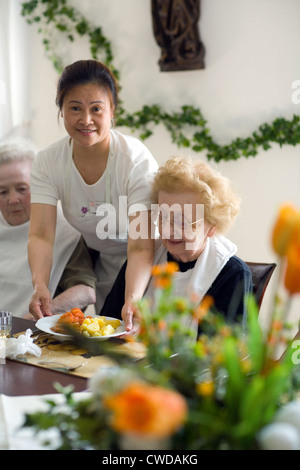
point(228, 290)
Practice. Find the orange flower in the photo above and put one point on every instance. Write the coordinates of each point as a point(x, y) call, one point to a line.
point(203, 308)
point(162, 282)
point(272, 340)
point(156, 270)
point(277, 325)
point(147, 410)
point(170, 267)
point(286, 226)
point(163, 274)
point(166, 268)
point(292, 273)
point(162, 325)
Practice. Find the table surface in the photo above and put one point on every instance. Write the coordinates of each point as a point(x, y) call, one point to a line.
point(17, 378)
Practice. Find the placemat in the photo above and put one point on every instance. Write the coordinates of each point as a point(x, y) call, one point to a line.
point(65, 356)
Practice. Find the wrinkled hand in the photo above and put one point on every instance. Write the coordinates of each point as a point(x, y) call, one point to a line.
point(39, 305)
point(131, 317)
point(28, 316)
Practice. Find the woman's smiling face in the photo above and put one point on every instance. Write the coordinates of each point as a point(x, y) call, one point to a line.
point(183, 232)
point(87, 114)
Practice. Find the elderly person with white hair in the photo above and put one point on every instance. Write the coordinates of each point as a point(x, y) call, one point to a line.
point(196, 207)
point(72, 274)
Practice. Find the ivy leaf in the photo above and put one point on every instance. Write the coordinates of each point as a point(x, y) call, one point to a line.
point(71, 23)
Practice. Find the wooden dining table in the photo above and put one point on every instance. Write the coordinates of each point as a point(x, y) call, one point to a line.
point(21, 379)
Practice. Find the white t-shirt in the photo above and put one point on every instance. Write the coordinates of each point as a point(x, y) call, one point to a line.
point(15, 275)
point(125, 183)
point(195, 282)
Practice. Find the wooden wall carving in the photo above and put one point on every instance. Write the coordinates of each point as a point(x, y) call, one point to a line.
point(175, 27)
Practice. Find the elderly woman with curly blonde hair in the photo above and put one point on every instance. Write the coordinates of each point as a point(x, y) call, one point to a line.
point(196, 205)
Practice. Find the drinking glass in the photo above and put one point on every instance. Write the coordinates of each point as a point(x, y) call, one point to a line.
point(5, 323)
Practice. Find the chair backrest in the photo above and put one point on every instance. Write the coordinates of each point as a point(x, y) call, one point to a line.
point(261, 275)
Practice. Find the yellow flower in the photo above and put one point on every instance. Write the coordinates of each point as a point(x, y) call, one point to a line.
point(285, 228)
point(217, 359)
point(181, 304)
point(246, 365)
point(147, 410)
point(205, 389)
point(225, 331)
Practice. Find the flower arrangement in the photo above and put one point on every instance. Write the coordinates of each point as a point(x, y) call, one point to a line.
point(285, 240)
point(221, 389)
point(286, 244)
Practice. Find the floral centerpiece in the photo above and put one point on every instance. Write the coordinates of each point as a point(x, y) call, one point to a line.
point(225, 389)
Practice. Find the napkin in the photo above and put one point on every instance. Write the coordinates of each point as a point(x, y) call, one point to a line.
point(23, 344)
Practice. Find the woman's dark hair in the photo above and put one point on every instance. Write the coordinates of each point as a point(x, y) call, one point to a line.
point(86, 71)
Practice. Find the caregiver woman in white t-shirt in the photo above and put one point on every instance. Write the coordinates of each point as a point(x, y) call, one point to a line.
point(93, 169)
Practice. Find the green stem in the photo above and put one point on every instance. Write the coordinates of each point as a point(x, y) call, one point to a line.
point(287, 308)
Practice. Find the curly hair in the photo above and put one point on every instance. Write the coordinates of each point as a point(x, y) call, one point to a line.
point(221, 203)
point(16, 150)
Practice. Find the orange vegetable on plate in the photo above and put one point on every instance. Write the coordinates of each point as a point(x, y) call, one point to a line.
point(72, 318)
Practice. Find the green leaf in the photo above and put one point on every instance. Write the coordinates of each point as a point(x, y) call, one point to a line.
point(189, 119)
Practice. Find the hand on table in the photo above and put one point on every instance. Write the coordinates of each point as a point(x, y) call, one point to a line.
point(39, 306)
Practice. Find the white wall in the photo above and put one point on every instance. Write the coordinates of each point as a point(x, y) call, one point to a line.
point(14, 76)
point(252, 58)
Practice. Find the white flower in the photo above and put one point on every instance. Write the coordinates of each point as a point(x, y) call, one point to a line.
point(289, 413)
point(108, 380)
point(279, 436)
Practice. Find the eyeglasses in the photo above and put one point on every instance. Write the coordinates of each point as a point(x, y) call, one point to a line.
point(178, 223)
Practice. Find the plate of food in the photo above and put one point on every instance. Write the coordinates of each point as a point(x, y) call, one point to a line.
point(91, 326)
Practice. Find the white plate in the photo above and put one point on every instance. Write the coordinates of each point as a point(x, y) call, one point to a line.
point(46, 323)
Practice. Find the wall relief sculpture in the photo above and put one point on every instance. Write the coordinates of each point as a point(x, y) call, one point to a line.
point(175, 27)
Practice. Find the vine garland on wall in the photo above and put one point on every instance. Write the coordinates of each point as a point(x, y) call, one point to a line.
point(187, 127)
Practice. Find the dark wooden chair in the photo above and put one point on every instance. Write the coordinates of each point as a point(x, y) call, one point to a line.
point(261, 275)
